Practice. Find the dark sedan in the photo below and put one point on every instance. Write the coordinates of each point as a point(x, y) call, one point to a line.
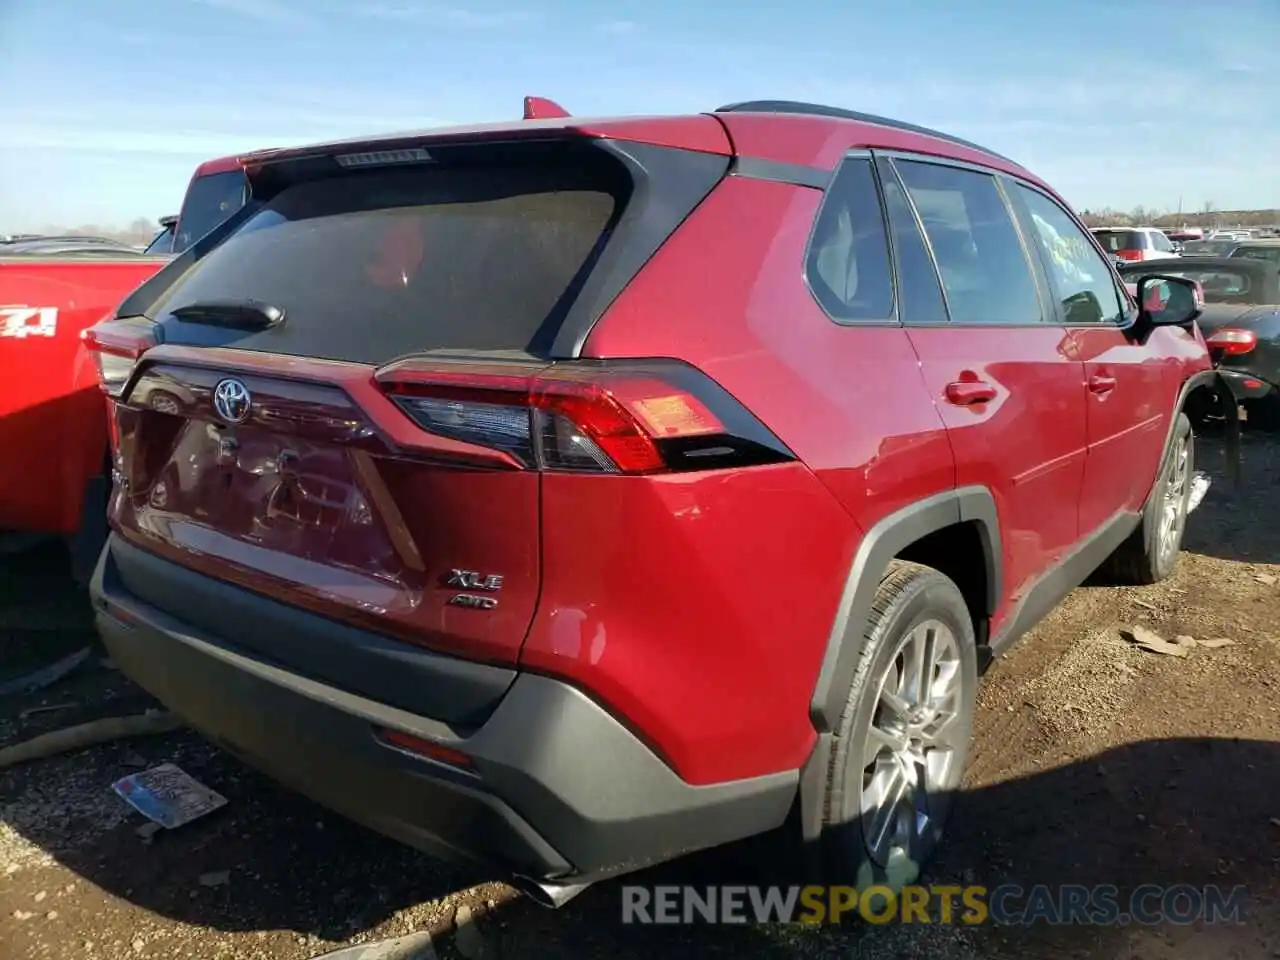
point(1241, 322)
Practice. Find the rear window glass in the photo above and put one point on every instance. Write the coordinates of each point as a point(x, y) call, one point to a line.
point(1116, 240)
point(372, 265)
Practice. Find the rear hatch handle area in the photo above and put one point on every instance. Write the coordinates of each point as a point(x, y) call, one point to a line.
point(231, 314)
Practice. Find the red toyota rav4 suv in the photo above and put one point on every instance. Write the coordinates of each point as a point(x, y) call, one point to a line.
point(572, 494)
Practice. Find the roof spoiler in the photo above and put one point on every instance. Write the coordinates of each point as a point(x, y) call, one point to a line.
point(540, 108)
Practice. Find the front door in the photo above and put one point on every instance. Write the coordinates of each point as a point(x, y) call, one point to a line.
point(1126, 382)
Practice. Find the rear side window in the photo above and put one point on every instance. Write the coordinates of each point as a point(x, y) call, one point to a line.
point(984, 267)
point(375, 264)
point(848, 262)
point(919, 293)
point(1160, 242)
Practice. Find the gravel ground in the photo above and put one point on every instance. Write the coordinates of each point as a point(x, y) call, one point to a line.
point(1095, 762)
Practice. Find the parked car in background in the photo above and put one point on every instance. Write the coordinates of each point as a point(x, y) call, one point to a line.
point(1241, 324)
point(52, 418)
point(57, 245)
point(471, 442)
point(162, 242)
point(1209, 248)
point(1134, 243)
point(1258, 250)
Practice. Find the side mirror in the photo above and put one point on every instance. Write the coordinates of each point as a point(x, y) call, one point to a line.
point(1165, 301)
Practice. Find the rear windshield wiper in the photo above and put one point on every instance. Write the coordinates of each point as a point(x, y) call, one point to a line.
point(234, 314)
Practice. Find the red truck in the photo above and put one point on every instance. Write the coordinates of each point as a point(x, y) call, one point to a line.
point(53, 424)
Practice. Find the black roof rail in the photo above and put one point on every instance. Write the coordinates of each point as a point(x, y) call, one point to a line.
point(839, 113)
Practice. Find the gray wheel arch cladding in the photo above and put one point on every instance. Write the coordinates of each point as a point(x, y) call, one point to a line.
point(884, 541)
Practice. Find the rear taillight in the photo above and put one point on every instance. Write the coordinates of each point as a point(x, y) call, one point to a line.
point(116, 347)
point(630, 417)
point(1129, 254)
point(1232, 341)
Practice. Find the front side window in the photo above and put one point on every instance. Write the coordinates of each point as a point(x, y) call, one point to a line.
point(984, 268)
point(1082, 280)
point(848, 262)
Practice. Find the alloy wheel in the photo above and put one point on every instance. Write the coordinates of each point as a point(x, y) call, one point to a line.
point(1173, 514)
point(914, 746)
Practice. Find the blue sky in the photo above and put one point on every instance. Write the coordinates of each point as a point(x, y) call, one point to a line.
point(108, 106)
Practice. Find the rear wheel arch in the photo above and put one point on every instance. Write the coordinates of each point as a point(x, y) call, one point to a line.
point(957, 532)
point(917, 532)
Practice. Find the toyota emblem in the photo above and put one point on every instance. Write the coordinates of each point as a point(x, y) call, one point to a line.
point(231, 400)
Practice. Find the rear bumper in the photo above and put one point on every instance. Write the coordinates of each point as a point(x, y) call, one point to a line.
point(1246, 386)
point(558, 789)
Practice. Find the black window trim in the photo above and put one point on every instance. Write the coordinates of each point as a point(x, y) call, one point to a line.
point(893, 319)
point(1129, 312)
point(884, 163)
point(1048, 310)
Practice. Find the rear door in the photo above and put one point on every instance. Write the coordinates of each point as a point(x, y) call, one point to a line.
point(1003, 377)
point(1128, 389)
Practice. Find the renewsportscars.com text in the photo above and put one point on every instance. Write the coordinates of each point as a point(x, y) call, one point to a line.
point(1006, 905)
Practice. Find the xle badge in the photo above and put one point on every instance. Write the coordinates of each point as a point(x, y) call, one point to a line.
point(474, 580)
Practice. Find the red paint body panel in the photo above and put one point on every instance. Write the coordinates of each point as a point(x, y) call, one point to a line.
point(847, 399)
point(1128, 423)
point(695, 606)
point(1027, 445)
point(53, 427)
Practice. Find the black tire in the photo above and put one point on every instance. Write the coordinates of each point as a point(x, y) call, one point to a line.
point(1147, 556)
point(910, 596)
